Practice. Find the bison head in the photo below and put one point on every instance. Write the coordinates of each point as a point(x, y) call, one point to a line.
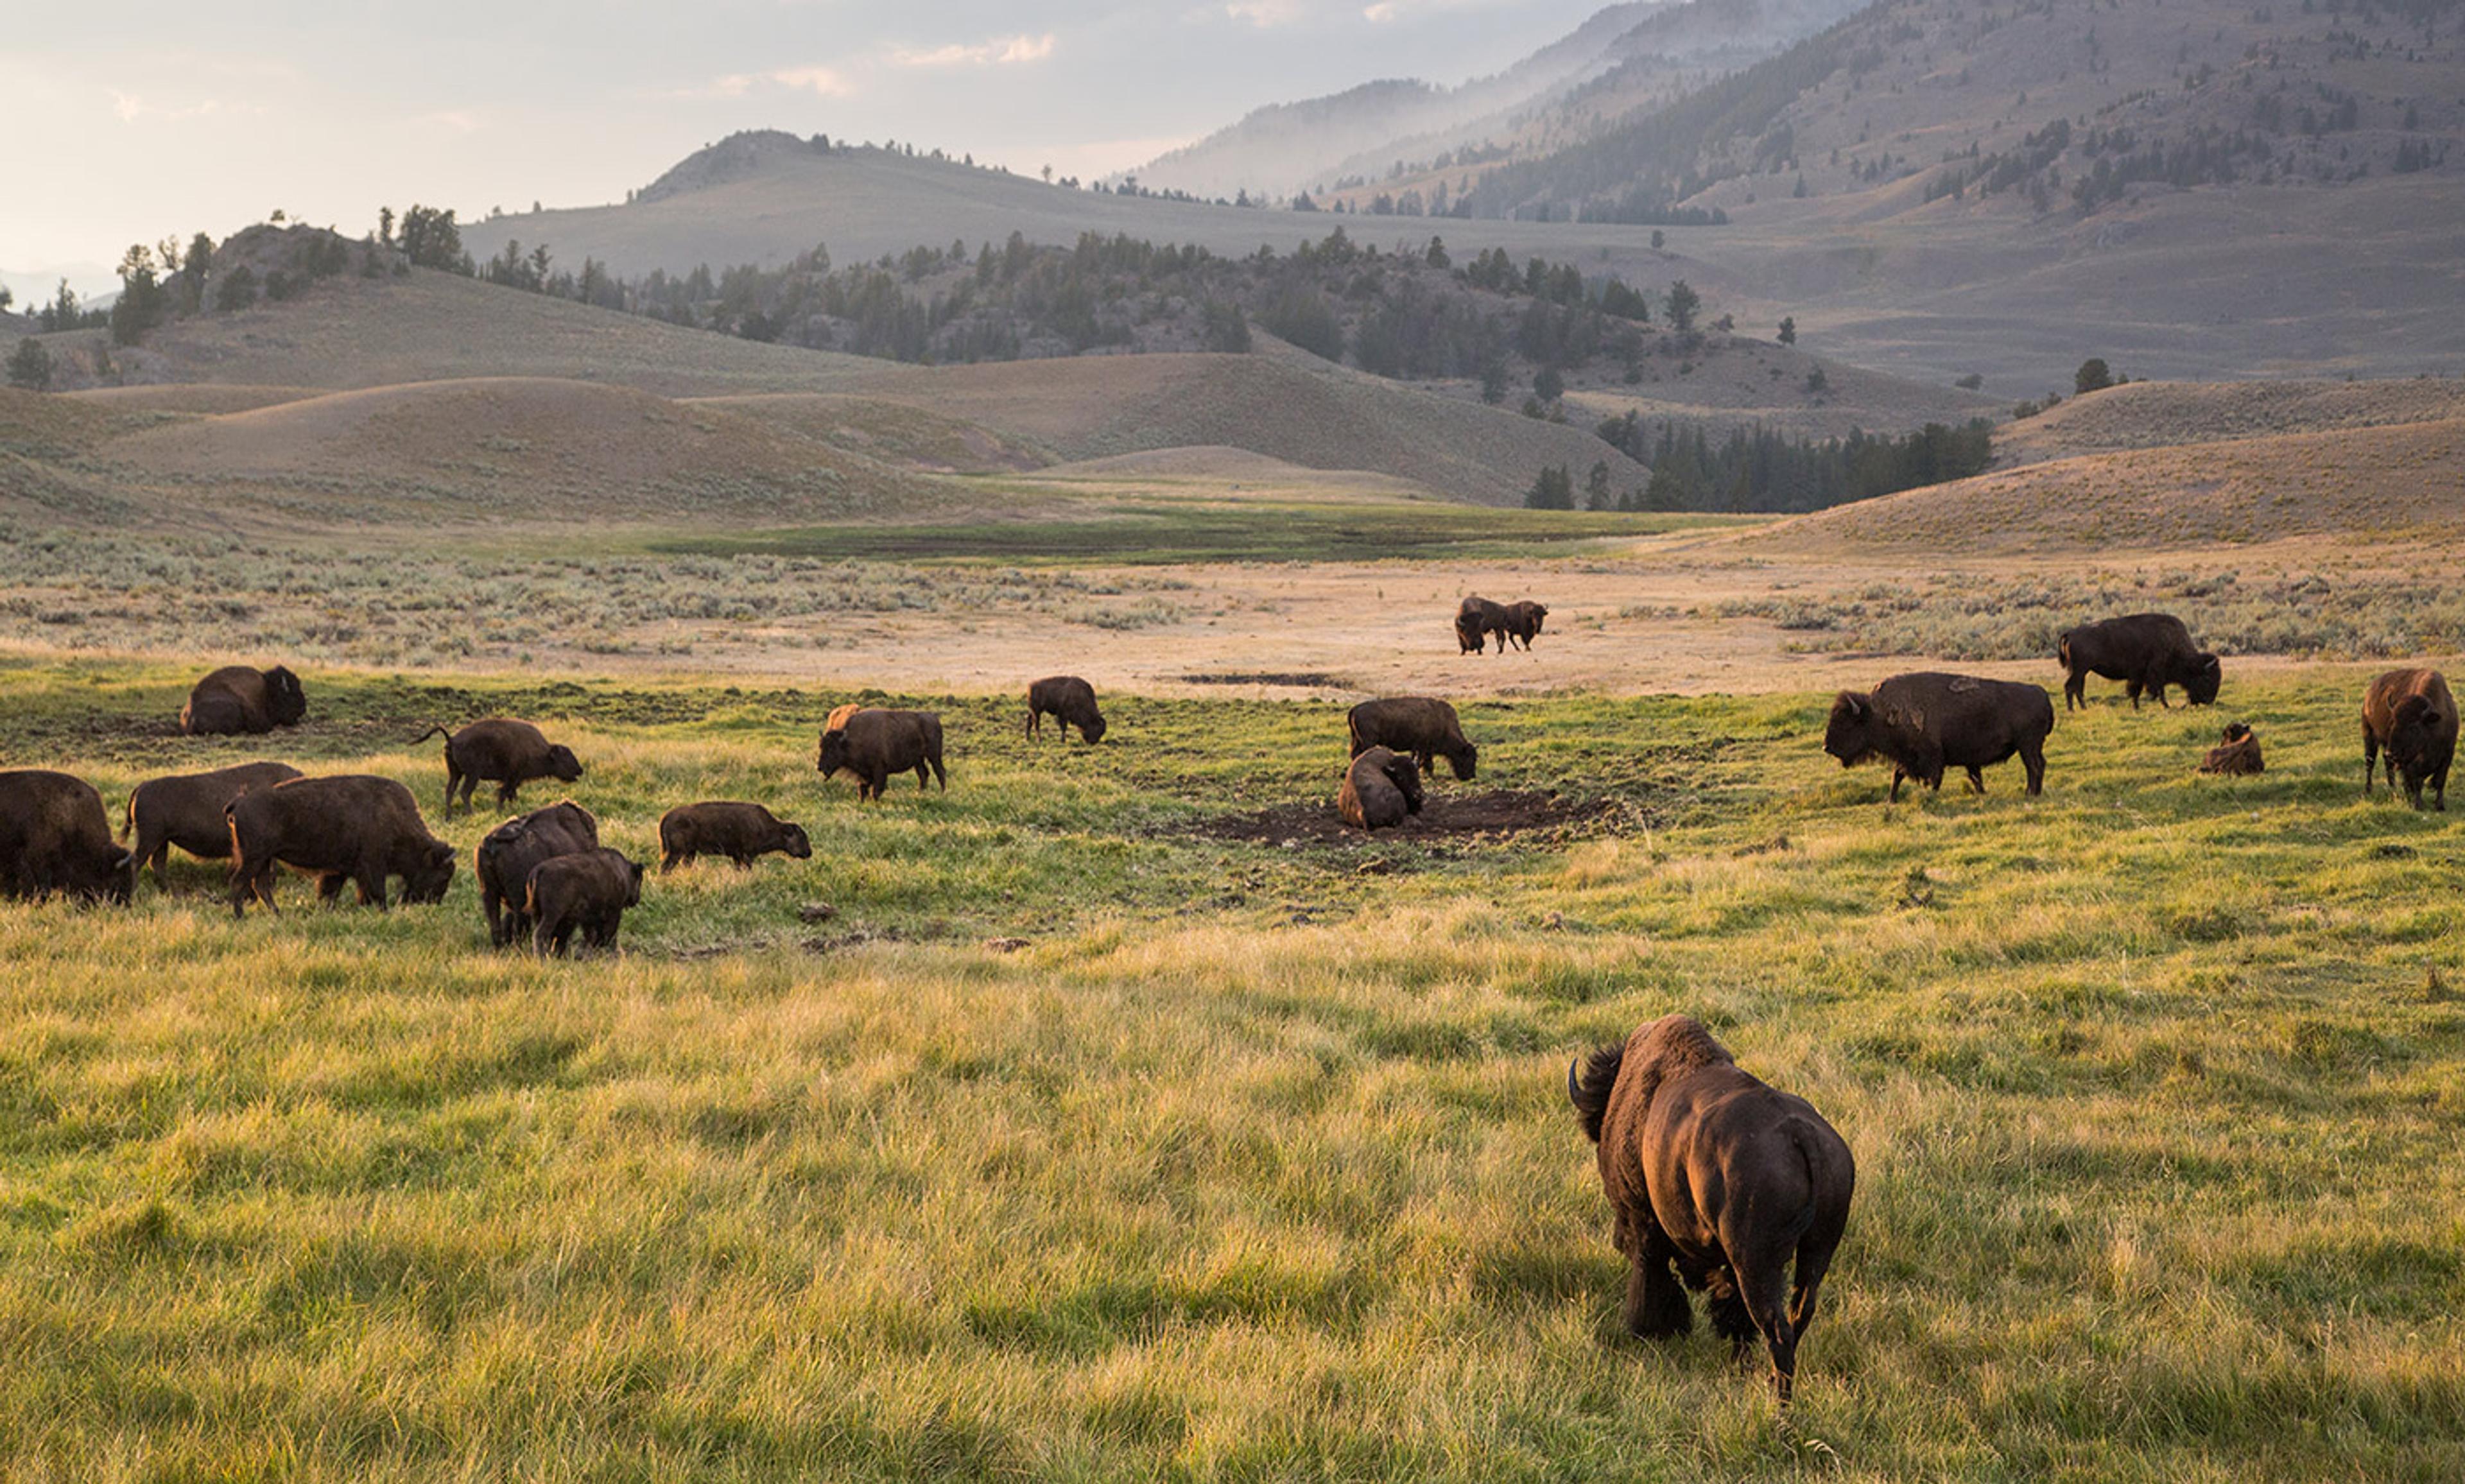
point(799, 845)
point(2200, 686)
point(285, 702)
point(1538, 611)
point(1462, 760)
point(1094, 729)
point(2237, 731)
point(428, 880)
point(634, 871)
point(1405, 776)
point(562, 764)
point(1850, 734)
point(834, 752)
point(2414, 733)
point(115, 879)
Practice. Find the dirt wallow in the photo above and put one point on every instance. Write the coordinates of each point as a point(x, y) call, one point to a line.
point(1500, 814)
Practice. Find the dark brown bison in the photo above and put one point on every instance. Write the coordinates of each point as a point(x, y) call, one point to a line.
point(507, 856)
point(587, 891)
point(2237, 753)
point(187, 810)
point(238, 699)
point(356, 828)
point(508, 754)
point(1923, 722)
point(837, 720)
point(1522, 623)
point(1475, 620)
point(1421, 726)
point(2146, 651)
point(1379, 789)
point(1069, 701)
point(875, 743)
point(739, 831)
point(1715, 1182)
point(2411, 714)
point(54, 837)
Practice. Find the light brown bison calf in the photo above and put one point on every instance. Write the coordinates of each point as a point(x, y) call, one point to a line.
point(1069, 701)
point(2237, 754)
point(2410, 715)
point(356, 828)
point(587, 891)
point(739, 831)
point(1421, 726)
point(511, 851)
point(54, 837)
point(874, 743)
point(237, 699)
point(1379, 789)
point(508, 754)
point(187, 810)
point(1716, 1181)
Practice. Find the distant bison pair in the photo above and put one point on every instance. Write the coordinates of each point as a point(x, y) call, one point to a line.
point(238, 700)
point(873, 743)
point(54, 838)
point(1924, 723)
point(2411, 716)
point(1477, 618)
point(508, 754)
point(355, 828)
point(1069, 701)
point(2146, 651)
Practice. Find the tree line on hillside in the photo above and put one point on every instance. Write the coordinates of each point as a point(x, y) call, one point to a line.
point(1762, 471)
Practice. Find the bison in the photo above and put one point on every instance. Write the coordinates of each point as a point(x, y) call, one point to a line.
point(1716, 1181)
point(1923, 722)
point(739, 831)
point(1421, 726)
point(2411, 714)
point(237, 699)
point(508, 754)
point(187, 810)
point(355, 827)
point(1379, 789)
point(1069, 701)
point(507, 856)
point(2236, 753)
point(1522, 623)
point(55, 837)
point(588, 889)
point(2146, 651)
point(874, 743)
point(1475, 620)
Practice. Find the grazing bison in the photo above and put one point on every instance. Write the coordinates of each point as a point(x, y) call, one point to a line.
point(54, 837)
point(2411, 714)
point(2237, 753)
point(739, 831)
point(1069, 701)
point(1475, 620)
point(1522, 623)
point(588, 889)
point(874, 743)
point(1720, 1177)
point(238, 699)
point(187, 810)
point(2146, 651)
point(1379, 789)
point(1421, 726)
point(505, 859)
point(508, 754)
point(355, 827)
point(1923, 722)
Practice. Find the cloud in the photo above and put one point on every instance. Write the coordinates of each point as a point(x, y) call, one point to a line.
point(1265, 14)
point(825, 80)
point(999, 52)
point(828, 81)
point(134, 109)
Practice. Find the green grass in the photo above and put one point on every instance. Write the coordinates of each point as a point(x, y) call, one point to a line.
point(1249, 1165)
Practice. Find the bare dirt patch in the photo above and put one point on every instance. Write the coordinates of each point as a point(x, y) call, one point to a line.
point(1496, 814)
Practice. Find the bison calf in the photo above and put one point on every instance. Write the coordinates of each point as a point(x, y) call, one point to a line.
point(1379, 789)
point(1069, 701)
point(2146, 651)
point(356, 828)
point(2411, 714)
point(1716, 1184)
point(1921, 723)
point(2236, 753)
point(508, 754)
point(237, 699)
point(1421, 726)
point(739, 831)
point(511, 851)
point(54, 837)
point(874, 743)
point(187, 810)
point(588, 891)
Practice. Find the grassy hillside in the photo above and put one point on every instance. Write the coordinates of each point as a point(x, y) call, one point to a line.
point(1080, 1140)
point(2157, 415)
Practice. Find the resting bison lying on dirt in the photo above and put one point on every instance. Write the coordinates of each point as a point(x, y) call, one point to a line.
point(508, 754)
point(1715, 1175)
point(1476, 621)
point(1923, 722)
point(874, 743)
point(2238, 753)
point(54, 837)
point(1379, 789)
point(356, 828)
point(238, 699)
point(187, 810)
point(2411, 714)
point(1069, 701)
point(511, 851)
point(2146, 651)
point(1421, 726)
point(1522, 623)
point(739, 831)
point(588, 889)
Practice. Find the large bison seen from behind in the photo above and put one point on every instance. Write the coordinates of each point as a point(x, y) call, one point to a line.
point(874, 743)
point(2146, 651)
point(2411, 716)
point(56, 838)
point(1420, 725)
point(1923, 722)
point(508, 754)
point(1717, 1182)
point(187, 810)
point(238, 700)
point(355, 828)
point(510, 853)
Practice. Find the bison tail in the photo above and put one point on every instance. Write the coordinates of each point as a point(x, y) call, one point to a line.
point(2063, 651)
point(438, 730)
point(1590, 1091)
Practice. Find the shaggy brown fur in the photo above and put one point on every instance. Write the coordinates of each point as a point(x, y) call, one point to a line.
point(1522, 623)
point(874, 743)
point(739, 831)
point(588, 889)
point(2238, 753)
point(1925, 721)
point(187, 810)
point(357, 828)
point(511, 851)
point(1379, 789)
point(508, 754)
point(54, 837)
point(1069, 701)
point(2146, 651)
point(237, 699)
point(2411, 714)
point(1421, 726)
point(1475, 620)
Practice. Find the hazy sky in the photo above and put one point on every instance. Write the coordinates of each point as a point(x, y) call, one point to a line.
point(133, 128)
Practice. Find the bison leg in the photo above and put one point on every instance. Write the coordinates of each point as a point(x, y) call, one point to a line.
point(329, 887)
point(1035, 720)
point(2033, 758)
point(1761, 1293)
point(492, 906)
point(507, 790)
point(2075, 690)
point(1897, 776)
point(2131, 688)
point(1656, 1307)
point(2370, 757)
point(941, 778)
point(1976, 780)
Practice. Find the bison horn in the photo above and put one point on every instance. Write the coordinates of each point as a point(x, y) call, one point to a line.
point(1574, 1087)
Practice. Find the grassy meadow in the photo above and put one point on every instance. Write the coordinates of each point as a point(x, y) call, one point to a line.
point(1080, 1141)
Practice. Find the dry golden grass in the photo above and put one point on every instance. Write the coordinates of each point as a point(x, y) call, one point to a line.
point(2156, 414)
